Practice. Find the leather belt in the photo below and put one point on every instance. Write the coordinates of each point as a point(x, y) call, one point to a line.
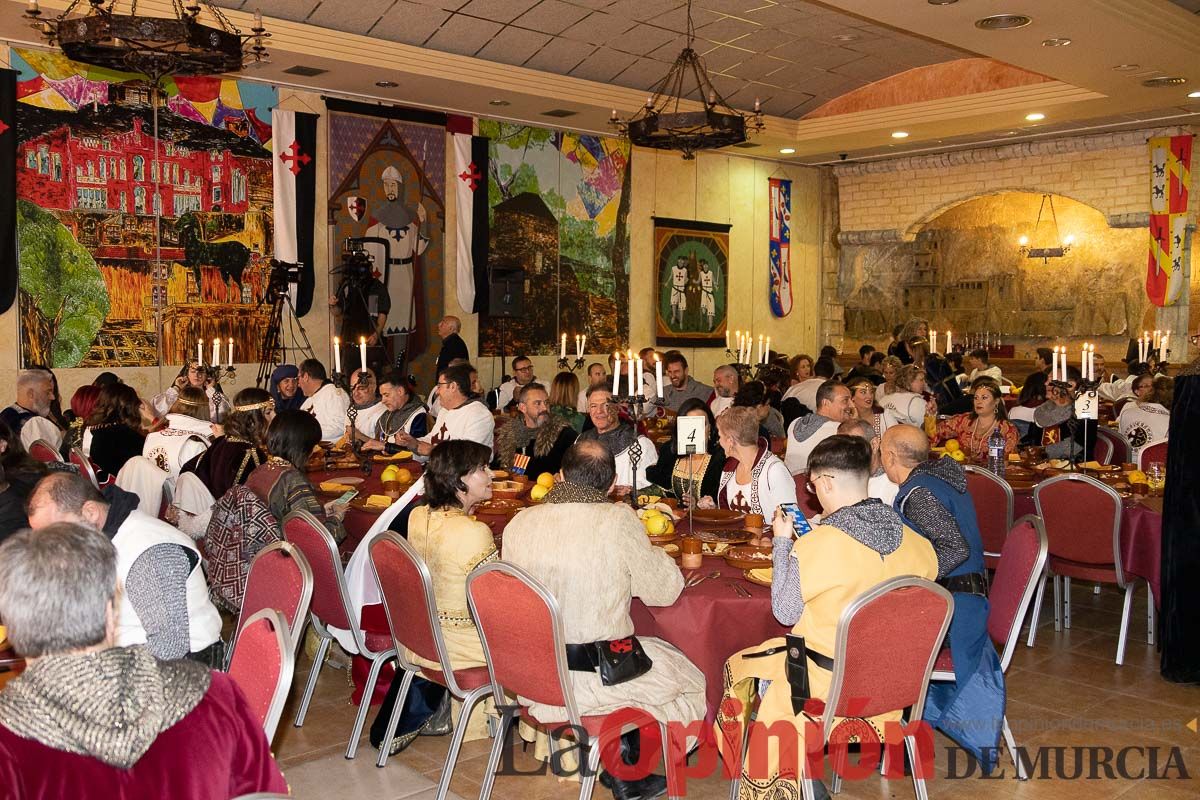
point(972, 583)
point(820, 659)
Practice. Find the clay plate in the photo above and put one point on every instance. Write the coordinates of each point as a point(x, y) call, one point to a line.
point(743, 556)
point(718, 517)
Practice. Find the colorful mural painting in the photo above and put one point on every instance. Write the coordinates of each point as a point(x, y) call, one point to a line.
point(143, 217)
point(559, 205)
point(387, 185)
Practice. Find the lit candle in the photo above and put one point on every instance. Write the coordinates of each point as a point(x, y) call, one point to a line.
point(1162, 345)
point(337, 354)
point(1054, 364)
point(933, 341)
point(562, 350)
point(658, 373)
point(1091, 362)
point(200, 352)
point(1064, 363)
point(257, 18)
point(582, 344)
point(1156, 339)
point(632, 367)
point(216, 362)
point(362, 352)
point(760, 350)
point(767, 351)
point(949, 347)
point(727, 338)
point(616, 374)
point(641, 375)
point(230, 361)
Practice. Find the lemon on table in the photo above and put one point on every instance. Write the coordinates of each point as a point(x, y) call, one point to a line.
point(952, 446)
point(1136, 476)
point(958, 455)
point(538, 493)
point(546, 480)
point(656, 525)
point(390, 473)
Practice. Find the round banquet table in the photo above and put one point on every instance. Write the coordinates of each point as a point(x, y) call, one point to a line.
point(358, 521)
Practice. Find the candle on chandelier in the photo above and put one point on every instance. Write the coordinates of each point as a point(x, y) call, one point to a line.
point(1054, 364)
point(629, 360)
point(216, 362)
point(760, 350)
point(949, 348)
point(1091, 362)
point(767, 351)
point(230, 360)
point(658, 383)
point(362, 352)
point(562, 350)
point(337, 354)
point(641, 375)
point(933, 341)
point(582, 345)
point(200, 352)
point(727, 338)
point(1064, 363)
point(616, 373)
point(1162, 345)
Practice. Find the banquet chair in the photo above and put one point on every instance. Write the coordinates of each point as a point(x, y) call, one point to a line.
point(330, 606)
point(808, 502)
point(1156, 451)
point(143, 477)
point(993, 499)
point(41, 450)
point(86, 468)
point(279, 578)
point(262, 665)
point(1082, 518)
point(1020, 571)
point(1122, 447)
point(1105, 449)
point(886, 643)
point(524, 643)
point(412, 615)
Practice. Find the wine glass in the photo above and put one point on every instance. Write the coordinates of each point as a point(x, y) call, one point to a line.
point(1156, 477)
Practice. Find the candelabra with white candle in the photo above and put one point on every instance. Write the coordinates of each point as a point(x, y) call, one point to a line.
point(580, 344)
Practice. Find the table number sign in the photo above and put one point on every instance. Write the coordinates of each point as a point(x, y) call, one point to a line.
point(1087, 406)
point(690, 436)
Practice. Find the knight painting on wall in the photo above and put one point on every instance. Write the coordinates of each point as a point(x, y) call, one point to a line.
point(692, 259)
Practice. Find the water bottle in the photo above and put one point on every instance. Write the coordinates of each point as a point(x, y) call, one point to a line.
point(995, 448)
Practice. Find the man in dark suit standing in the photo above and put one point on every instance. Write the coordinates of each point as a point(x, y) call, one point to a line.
point(452, 344)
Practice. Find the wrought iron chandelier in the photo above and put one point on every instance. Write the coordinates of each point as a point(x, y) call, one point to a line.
point(1063, 246)
point(105, 37)
point(661, 123)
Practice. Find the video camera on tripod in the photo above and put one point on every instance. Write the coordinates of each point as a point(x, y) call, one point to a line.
point(357, 264)
point(283, 275)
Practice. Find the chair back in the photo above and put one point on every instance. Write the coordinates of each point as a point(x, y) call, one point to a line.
point(85, 466)
point(1082, 518)
point(330, 604)
point(1155, 451)
point(806, 500)
point(408, 599)
point(993, 499)
point(887, 641)
point(280, 579)
point(1105, 449)
point(41, 450)
point(1022, 561)
point(522, 634)
point(1122, 448)
point(262, 664)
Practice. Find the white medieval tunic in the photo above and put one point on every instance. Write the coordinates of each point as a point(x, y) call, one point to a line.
point(367, 418)
point(472, 420)
point(679, 280)
point(178, 443)
point(594, 570)
point(770, 485)
point(400, 227)
point(329, 406)
point(40, 428)
point(708, 298)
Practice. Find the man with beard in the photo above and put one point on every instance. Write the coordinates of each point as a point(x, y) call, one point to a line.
point(619, 438)
point(461, 414)
point(403, 413)
point(535, 443)
point(726, 383)
point(29, 416)
point(366, 402)
point(401, 227)
point(681, 386)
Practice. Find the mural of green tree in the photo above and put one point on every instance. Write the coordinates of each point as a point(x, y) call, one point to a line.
point(61, 289)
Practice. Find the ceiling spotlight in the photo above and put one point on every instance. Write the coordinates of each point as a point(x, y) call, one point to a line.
point(899, 134)
point(499, 103)
point(1003, 22)
point(1035, 117)
point(386, 84)
point(1127, 67)
point(942, 2)
point(1061, 41)
point(1193, 95)
point(786, 151)
point(1164, 81)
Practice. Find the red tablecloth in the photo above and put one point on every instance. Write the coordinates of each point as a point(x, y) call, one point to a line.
point(1141, 536)
point(357, 522)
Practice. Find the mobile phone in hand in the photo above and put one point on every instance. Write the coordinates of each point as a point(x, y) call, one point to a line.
point(346, 497)
point(799, 523)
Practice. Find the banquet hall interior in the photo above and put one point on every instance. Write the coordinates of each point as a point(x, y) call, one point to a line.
point(970, 221)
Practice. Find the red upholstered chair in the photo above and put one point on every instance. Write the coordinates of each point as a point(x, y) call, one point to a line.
point(1083, 523)
point(412, 613)
point(279, 578)
point(1021, 570)
point(1105, 449)
point(993, 500)
point(330, 607)
point(1151, 453)
point(808, 502)
point(1122, 448)
point(85, 466)
point(524, 643)
point(42, 451)
point(262, 664)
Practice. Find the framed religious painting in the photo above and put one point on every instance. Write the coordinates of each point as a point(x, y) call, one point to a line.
point(692, 287)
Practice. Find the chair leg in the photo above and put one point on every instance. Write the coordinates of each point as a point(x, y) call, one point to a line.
point(460, 731)
point(736, 782)
point(394, 718)
point(587, 784)
point(1066, 602)
point(910, 744)
point(1124, 624)
point(1057, 603)
point(669, 765)
point(313, 673)
point(1150, 619)
point(489, 777)
point(1037, 611)
point(1012, 750)
point(365, 703)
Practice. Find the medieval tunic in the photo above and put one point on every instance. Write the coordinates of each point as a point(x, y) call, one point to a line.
point(770, 485)
point(366, 419)
point(544, 445)
point(855, 549)
point(1143, 424)
point(183, 439)
point(471, 421)
point(594, 558)
point(329, 406)
point(411, 419)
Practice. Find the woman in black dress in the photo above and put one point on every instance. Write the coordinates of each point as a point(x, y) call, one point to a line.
point(702, 476)
point(115, 428)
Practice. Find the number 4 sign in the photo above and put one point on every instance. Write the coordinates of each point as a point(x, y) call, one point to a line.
point(690, 435)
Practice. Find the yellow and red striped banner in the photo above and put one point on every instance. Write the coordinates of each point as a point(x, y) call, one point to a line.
point(1170, 176)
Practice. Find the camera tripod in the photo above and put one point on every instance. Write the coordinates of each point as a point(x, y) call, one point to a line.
point(274, 345)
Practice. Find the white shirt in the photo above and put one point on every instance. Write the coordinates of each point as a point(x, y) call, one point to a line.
point(904, 408)
point(796, 455)
point(177, 444)
point(775, 487)
point(806, 392)
point(365, 421)
point(989, 371)
point(506, 391)
point(329, 406)
point(648, 458)
point(472, 421)
point(881, 487)
point(719, 404)
point(1143, 424)
point(162, 402)
point(1116, 389)
point(581, 403)
point(36, 428)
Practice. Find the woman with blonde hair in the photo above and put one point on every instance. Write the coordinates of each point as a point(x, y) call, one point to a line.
point(564, 390)
point(915, 328)
point(890, 369)
point(187, 434)
point(754, 480)
point(911, 403)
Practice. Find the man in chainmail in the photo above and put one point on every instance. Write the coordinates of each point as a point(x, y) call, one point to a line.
point(90, 719)
point(934, 500)
point(541, 437)
point(621, 439)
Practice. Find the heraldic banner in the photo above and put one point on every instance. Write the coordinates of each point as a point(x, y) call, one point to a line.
point(1171, 162)
point(781, 246)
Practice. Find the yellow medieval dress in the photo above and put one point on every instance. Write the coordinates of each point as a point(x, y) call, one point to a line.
point(834, 568)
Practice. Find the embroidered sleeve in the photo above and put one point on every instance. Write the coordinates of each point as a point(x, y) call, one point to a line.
point(157, 589)
point(786, 600)
point(938, 526)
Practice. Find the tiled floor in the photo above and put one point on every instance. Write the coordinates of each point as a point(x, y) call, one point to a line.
point(1066, 692)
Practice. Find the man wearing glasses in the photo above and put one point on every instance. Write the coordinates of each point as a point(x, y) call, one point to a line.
point(523, 375)
point(460, 416)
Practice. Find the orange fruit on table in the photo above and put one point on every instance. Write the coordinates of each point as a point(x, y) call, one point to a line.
point(546, 480)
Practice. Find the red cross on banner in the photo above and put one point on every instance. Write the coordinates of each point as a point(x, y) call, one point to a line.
point(471, 176)
point(295, 158)
point(3, 127)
